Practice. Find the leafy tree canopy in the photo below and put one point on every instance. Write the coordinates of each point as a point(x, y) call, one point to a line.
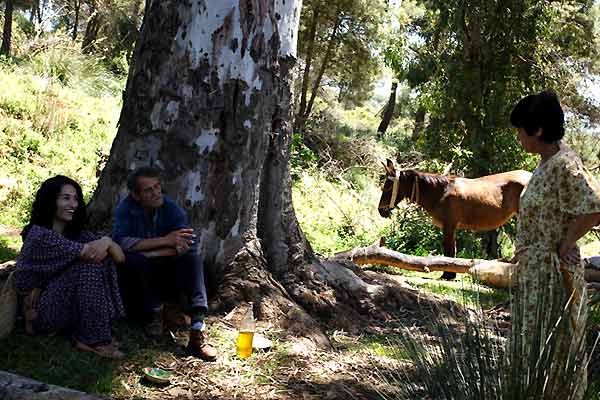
point(339, 44)
point(470, 62)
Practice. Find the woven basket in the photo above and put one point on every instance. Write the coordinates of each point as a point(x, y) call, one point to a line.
point(8, 306)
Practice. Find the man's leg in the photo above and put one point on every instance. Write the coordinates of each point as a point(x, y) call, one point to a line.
point(190, 279)
point(139, 280)
point(189, 270)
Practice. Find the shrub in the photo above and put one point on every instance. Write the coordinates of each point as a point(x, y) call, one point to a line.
point(48, 128)
point(413, 232)
point(58, 58)
point(466, 357)
point(336, 216)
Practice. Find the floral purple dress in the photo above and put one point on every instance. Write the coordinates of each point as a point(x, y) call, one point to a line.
point(77, 296)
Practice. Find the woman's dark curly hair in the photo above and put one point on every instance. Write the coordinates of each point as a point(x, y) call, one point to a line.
point(44, 207)
point(537, 111)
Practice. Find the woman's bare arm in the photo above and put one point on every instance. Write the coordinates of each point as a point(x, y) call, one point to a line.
point(581, 225)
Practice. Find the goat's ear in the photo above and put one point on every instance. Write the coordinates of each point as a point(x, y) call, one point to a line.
point(389, 167)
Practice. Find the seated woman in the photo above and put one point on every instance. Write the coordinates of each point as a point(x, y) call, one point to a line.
point(67, 275)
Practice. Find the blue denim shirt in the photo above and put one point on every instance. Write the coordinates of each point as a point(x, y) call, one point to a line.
point(132, 225)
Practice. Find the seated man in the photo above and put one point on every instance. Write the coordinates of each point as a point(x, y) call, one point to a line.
point(161, 258)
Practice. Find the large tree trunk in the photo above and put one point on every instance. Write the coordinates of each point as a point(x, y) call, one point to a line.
point(7, 32)
point(208, 101)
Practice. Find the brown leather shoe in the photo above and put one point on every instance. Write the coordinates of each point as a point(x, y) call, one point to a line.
point(198, 346)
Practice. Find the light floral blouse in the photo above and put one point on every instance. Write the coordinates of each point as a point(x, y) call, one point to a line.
point(559, 190)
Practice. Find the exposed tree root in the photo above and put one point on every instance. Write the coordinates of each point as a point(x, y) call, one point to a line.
point(317, 297)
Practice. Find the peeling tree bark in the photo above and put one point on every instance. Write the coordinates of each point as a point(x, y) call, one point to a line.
point(208, 101)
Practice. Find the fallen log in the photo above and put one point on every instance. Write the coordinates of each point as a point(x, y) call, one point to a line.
point(491, 272)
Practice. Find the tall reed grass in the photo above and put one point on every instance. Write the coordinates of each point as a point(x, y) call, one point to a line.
point(468, 356)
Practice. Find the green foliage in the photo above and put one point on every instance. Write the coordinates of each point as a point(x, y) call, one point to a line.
point(61, 60)
point(51, 125)
point(470, 63)
point(413, 232)
point(111, 33)
point(9, 247)
point(344, 139)
point(106, 29)
point(338, 44)
point(301, 156)
point(336, 215)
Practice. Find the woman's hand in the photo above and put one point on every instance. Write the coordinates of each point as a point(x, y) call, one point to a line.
point(569, 253)
point(96, 250)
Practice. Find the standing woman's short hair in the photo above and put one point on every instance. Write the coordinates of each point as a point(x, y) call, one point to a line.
point(537, 111)
point(44, 207)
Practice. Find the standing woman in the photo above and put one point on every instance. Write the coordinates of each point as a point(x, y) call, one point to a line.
point(559, 206)
point(66, 275)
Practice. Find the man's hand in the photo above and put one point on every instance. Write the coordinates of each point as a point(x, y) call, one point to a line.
point(181, 239)
point(569, 253)
point(116, 253)
point(96, 250)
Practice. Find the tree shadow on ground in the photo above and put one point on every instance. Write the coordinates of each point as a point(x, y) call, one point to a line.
point(53, 359)
point(339, 389)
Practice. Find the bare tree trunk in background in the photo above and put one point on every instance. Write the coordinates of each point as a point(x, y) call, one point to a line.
point(419, 124)
point(136, 13)
point(91, 32)
point(7, 31)
point(208, 101)
point(33, 12)
point(40, 5)
point(331, 43)
point(299, 123)
point(474, 101)
point(389, 112)
point(76, 20)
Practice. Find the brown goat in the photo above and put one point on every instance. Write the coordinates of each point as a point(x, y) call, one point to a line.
point(480, 204)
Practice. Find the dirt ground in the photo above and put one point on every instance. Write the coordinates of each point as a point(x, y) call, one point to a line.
point(356, 367)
